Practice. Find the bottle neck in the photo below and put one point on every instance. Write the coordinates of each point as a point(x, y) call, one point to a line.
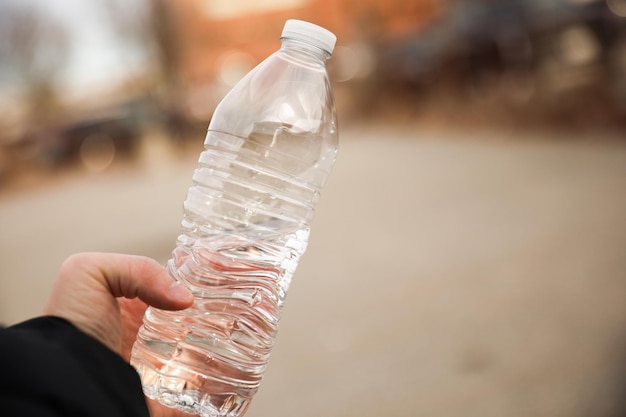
point(305, 50)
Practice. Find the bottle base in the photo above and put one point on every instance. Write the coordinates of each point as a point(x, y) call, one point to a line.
point(167, 391)
point(191, 402)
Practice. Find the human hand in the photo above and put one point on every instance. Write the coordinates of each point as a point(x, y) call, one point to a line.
point(105, 295)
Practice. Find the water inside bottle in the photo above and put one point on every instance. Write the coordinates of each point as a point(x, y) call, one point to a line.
point(210, 358)
point(244, 228)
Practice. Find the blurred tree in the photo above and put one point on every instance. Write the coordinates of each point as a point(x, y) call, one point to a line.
point(33, 52)
point(150, 26)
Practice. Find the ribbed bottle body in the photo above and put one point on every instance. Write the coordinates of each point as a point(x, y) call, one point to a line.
point(269, 149)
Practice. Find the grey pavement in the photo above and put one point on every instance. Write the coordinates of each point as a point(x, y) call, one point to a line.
point(449, 273)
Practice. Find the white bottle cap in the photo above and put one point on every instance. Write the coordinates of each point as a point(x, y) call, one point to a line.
point(310, 33)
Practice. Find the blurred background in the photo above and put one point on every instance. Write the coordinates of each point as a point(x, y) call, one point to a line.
point(468, 256)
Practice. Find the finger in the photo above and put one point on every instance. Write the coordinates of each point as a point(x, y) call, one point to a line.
point(131, 314)
point(88, 285)
point(131, 276)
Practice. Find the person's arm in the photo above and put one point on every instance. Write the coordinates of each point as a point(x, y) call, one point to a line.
point(52, 369)
point(73, 361)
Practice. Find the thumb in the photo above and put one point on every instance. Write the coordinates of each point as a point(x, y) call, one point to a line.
point(88, 284)
point(131, 276)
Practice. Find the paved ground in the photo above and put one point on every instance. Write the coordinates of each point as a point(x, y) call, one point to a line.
point(449, 274)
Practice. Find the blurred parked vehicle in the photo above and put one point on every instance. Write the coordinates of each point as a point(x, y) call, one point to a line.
point(537, 46)
point(108, 135)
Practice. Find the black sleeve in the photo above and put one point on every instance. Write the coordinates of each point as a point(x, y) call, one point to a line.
point(49, 368)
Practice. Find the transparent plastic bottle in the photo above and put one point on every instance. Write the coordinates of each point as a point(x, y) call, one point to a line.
point(269, 149)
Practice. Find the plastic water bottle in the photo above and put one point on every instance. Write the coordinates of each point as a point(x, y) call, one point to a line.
point(269, 149)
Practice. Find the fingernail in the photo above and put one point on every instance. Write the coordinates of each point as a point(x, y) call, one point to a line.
point(178, 291)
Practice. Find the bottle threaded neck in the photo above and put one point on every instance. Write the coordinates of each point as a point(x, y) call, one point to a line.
point(304, 49)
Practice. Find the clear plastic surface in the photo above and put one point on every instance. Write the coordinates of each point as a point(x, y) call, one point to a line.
point(269, 149)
